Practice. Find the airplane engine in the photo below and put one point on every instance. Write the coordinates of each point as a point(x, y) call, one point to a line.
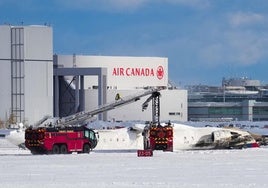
point(220, 135)
point(221, 138)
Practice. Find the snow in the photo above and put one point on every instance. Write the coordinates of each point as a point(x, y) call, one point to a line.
point(16, 137)
point(121, 138)
point(246, 168)
point(100, 168)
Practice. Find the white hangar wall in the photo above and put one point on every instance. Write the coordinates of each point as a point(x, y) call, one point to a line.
point(5, 76)
point(26, 64)
point(127, 76)
point(123, 72)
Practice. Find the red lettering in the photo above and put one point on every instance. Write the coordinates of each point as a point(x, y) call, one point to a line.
point(152, 72)
point(137, 71)
point(142, 72)
point(128, 72)
point(114, 72)
point(121, 72)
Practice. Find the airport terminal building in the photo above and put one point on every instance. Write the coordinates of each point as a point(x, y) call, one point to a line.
point(239, 99)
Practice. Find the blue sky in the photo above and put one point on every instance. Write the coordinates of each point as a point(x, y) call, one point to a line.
point(204, 40)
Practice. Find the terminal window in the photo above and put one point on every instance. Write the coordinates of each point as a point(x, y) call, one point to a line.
point(174, 113)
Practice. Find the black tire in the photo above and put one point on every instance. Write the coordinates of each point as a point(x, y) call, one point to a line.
point(37, 152)
point(56, 149)
point(86, 148)
point(63, 149)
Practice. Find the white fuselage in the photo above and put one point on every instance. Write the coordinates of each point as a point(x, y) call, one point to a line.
point(130, 138)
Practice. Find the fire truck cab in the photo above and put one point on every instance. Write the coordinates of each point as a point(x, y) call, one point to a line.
point(57, 140)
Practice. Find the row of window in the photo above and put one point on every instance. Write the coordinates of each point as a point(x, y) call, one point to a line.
point(174, 113)
point(228, 111)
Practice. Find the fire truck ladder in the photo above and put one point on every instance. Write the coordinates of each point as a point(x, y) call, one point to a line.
point(81, 117)
point(155, 98)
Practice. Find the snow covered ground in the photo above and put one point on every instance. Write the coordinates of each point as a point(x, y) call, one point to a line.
point(117, 168)
point(206, 168)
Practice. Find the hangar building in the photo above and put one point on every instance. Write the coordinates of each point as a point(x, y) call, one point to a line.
point(126, 76)
point(27, 68)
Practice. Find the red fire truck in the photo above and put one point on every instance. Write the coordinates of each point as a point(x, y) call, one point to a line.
point(157, 137)
point(57, 140)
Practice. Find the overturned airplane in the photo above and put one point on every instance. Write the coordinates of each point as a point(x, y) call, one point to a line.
point(182, 137)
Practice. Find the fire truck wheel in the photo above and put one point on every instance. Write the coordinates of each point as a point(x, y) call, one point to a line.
point(56, 149)
point(86, 148)
point(63, 149)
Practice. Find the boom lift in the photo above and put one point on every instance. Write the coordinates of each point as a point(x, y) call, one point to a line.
point(156, 136)
point(81, 117)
